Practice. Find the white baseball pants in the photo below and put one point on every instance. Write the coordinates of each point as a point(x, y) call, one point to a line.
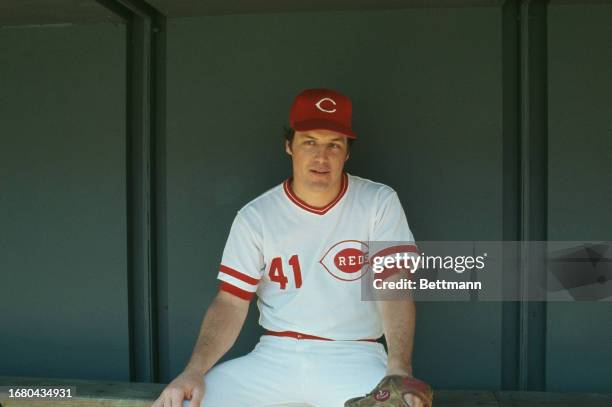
point(283, 371)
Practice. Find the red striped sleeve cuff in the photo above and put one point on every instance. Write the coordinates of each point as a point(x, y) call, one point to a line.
point(405, 248)
point(240, 276)
point(389, 271)
point(238, 292)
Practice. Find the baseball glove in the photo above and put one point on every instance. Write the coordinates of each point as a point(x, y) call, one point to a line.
point(390, 393)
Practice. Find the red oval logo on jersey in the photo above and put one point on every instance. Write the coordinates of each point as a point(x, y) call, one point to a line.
point(346, 260)
point(349, 260)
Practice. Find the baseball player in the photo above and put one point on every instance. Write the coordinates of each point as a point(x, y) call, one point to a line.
point(299, 248)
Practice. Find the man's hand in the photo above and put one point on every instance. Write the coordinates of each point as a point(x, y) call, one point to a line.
point(413, 401)
point(188, 385)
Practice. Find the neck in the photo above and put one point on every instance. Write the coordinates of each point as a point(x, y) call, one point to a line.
point(315, 197)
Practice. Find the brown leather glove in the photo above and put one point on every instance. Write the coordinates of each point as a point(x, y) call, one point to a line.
point(390, 393)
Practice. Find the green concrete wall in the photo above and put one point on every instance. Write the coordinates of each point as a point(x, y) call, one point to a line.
point(580, 184)
point(63, 295)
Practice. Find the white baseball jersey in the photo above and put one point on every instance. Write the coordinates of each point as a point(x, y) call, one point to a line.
point(305, 263)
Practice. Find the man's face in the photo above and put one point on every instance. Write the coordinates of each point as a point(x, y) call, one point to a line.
point(318, 158)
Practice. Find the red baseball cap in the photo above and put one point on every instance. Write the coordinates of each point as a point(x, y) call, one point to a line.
point(315, 109)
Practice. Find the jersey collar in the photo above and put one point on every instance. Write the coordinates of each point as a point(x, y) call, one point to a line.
point(313, 209)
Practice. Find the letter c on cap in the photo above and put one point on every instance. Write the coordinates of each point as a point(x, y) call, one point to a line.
point(318, 105)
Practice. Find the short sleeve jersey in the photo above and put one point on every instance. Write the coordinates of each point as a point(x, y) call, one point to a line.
point(305, 263)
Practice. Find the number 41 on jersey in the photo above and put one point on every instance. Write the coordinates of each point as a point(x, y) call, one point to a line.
point(277, 274)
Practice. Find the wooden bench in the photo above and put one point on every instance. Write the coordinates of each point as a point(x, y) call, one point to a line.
point(90, 393)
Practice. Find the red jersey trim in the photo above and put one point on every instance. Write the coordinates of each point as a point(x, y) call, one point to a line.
point(240, 276)
point(238, 292)
point(298, 335)
point(318, 211)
